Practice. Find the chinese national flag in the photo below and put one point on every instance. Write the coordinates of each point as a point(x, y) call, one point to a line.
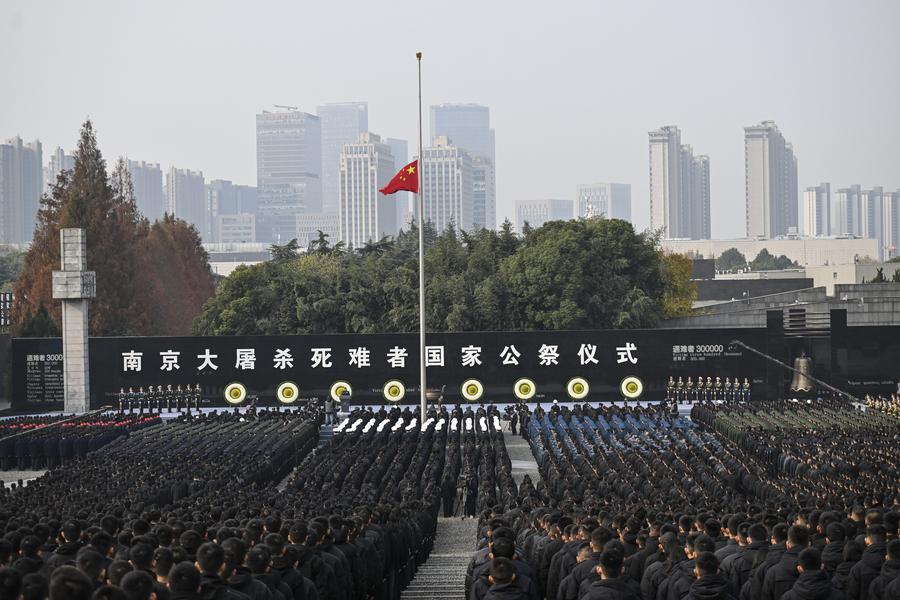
point(406, 180)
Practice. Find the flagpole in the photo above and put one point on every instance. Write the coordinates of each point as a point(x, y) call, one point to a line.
point(420, 196)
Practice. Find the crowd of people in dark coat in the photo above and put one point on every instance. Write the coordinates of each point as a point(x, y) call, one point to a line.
point(771, 500)
point(640, 503)
point(244, 507)
point(35, 443)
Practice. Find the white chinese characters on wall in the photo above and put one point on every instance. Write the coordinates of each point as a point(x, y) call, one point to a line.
point(396, 357)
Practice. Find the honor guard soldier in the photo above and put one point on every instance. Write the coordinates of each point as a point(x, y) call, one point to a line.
point(689, 389)
point(179, 394)
point(170, 396)
point(679, 391)
point(727, 389)
point(718, 394)
point(670, 389)
point(140, 399)
point(701, 390)
point(159, 398)
point(197, 394)
point(709, 388)
point(121, 400)
point(746, 390)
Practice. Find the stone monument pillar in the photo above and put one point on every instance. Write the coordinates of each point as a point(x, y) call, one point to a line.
point(75, 286)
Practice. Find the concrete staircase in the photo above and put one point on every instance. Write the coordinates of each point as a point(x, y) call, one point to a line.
point(521, 458)
point(325, 434)
point(443, 575)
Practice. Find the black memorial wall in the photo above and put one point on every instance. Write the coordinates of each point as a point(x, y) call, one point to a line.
point(315, 362)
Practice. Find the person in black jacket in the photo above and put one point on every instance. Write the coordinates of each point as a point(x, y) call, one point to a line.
point(710, 584)
point(503, 582)
point(448, 495)
point(239, 576)
point(311, 565)
point(258, 561)
point(68, 583)
point(737, 566)
point(211, 564)
point(869, 566)
point(138, 585)
point(890, 573)
point(612, 585)
point(184, 582)
point(813, 583)
point(10, 584)
point(833, 553)
point(853, 552)
point(70, 544)
point(781, 576)
point(681, 579)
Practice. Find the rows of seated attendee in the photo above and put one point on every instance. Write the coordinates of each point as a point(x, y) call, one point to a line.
point(239, 506)
point(44, 444)
point(639, 503)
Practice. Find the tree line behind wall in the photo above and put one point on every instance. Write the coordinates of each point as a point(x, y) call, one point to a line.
point(583, 274)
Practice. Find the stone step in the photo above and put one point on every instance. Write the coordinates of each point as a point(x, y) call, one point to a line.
point(442, 576)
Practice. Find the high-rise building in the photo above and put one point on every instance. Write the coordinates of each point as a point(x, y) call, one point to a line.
point(288, 171)
point(610, 200)
point(446, 178)
point(484, 202)
point(310, 224)
point(148, 188)
point(817, 211)
point(700, 198)
point(406, 210)
point(21, 185)
point(879, 220)
point(235, 228)
point(468, 126)
point(366, 215)
point(846, 212)
point(59, 161)
point(665, 181)
point(871, 204)
point(342, 122)
point(770, 182)
point(679, 187)
point(538, 212)
point(186, 199)
point(224, 197)
point(891, 224)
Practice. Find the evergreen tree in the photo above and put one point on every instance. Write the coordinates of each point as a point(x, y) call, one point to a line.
point(586, 273)
point(681, 292)
point(731, 260)
point(39, 324)
point(128, 292)
point(177, 278)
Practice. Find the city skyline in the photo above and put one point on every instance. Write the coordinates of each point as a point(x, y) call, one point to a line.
point(556, 126)
point(700, 164)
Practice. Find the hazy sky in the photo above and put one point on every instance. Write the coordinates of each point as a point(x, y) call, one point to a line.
point(573, 87)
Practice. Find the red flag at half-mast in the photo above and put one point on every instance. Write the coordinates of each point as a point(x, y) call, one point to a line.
point(406, 180)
